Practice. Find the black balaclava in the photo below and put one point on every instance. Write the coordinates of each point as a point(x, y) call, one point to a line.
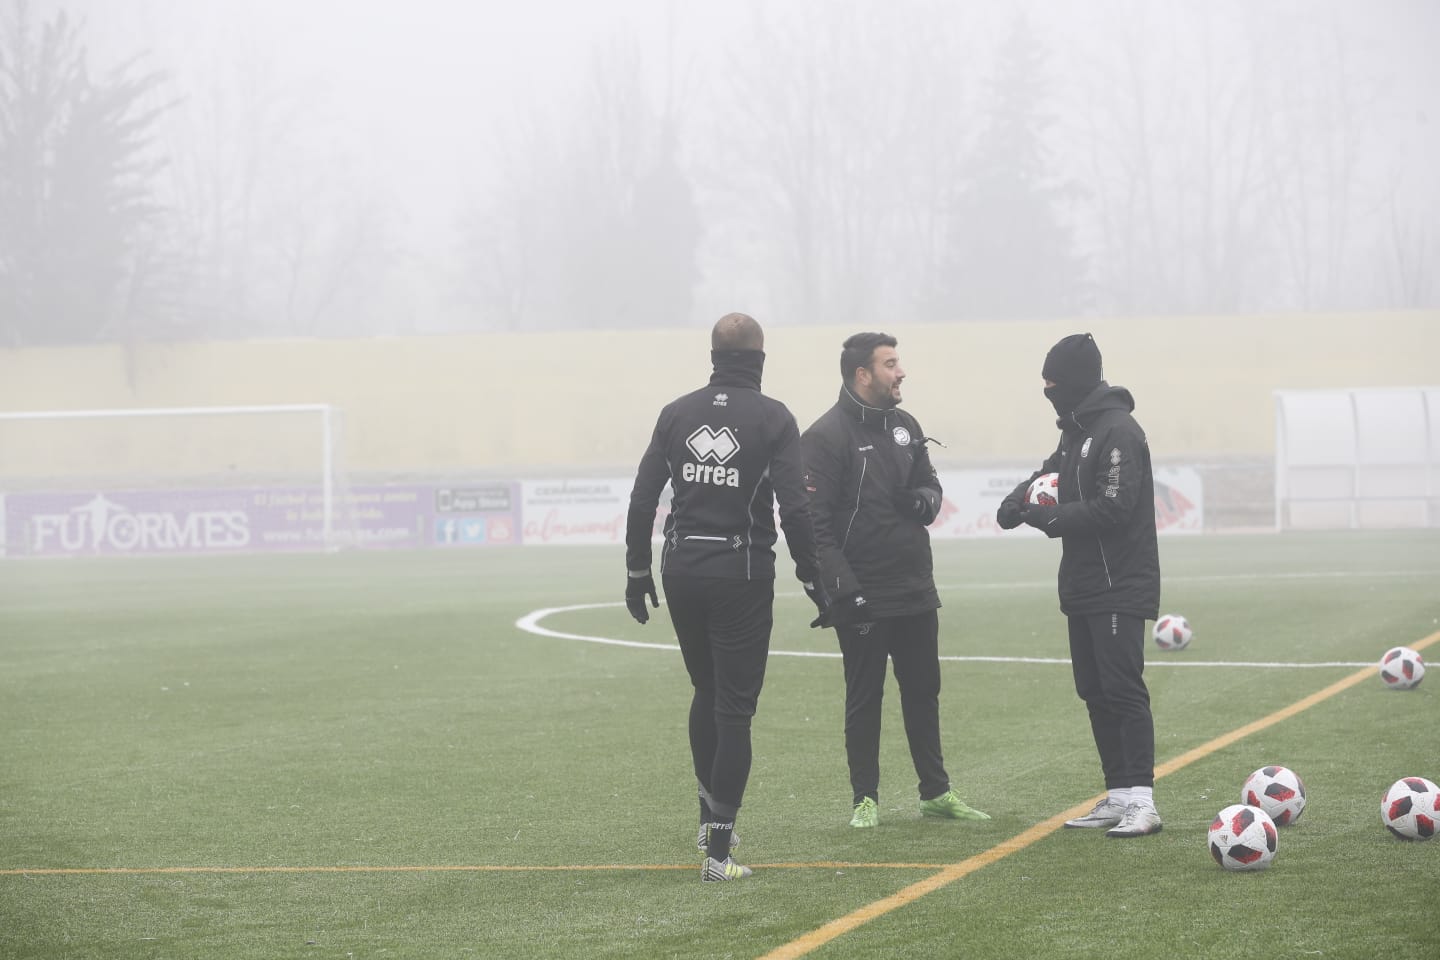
point(1073, 365)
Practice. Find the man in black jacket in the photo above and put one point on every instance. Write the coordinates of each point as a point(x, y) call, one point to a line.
point(872, 492)
point(728, 452)
point(1109, 572)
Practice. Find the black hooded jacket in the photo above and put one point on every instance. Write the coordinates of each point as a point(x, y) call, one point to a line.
point(729, 453)
point(1106, 518)
point(856, 459)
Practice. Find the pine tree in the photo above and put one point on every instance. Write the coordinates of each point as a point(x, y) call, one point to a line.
point(1010, 253)
point(75, 180)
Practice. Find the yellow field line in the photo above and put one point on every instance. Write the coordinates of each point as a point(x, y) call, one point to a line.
point(453, 868)
point(948, 873)
point(842, 925)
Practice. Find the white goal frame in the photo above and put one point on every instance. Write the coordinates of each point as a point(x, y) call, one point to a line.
point(329, 438)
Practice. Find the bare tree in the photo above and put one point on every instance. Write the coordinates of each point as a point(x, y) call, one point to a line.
point(1314, 142)
point(593, 223)
point(1170, 133)
point(1235, 158)
point(1411, 248)
point(272, 228)
point(833, 162)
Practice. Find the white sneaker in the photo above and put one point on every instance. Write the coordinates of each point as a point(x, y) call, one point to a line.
point(1105, 814)
point(714, 870)
point(1139, 820)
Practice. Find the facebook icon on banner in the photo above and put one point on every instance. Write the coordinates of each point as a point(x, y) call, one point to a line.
point(459, 529)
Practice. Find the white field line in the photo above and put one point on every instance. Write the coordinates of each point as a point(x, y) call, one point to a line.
point(530, 623)
point(1409, 574)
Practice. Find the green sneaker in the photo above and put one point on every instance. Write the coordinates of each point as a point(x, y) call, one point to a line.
point(950, 806)
point(867, 814)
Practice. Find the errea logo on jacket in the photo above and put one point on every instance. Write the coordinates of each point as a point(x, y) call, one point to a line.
point(707, 444)
point(719, 446)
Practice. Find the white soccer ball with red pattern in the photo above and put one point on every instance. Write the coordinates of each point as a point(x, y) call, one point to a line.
point(1172, 632)
point(1278, 791)
point(1044, 490)
point(1402, 668)
point(1410, 809)
point(1243, 838)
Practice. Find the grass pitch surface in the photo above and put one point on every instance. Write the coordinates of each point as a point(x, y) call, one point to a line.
point(363, 755)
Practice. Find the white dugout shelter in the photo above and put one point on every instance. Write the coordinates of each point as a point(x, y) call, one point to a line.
point(1357, 458)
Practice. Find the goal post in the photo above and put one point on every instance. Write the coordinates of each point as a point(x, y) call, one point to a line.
point(277, 464)
point(1357, 458)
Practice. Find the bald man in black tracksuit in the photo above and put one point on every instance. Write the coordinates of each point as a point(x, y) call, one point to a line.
point(872, 491)
point(1109, 578)
point(729, 453)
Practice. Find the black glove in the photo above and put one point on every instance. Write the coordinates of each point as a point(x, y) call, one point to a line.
point(1042, 517)
point(821, 599)
point(1008, 516)
point(851, 609)
point(915, 505)
point(636, 589)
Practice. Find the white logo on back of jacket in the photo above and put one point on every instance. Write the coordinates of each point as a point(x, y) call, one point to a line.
point(710, 444)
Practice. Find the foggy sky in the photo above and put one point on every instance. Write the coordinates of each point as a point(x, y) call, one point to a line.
point(416, 104)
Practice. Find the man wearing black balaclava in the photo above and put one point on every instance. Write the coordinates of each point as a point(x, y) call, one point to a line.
point(729, 453)
point(1109, 572)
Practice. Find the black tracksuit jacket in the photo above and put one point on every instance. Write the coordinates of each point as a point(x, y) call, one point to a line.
point(729, 453)
point(1106, 520)
point(857, 458)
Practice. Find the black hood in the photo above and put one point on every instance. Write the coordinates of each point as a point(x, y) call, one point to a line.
point(1102, 398)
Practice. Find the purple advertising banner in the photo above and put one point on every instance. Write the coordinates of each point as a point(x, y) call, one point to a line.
point(152, 522)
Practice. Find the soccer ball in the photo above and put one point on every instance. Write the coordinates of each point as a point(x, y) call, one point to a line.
point(1278, 791)
point(1243, 838)
point(1410, 809)
point(1044, 490)
point(1172, 632)
point(1402, 668)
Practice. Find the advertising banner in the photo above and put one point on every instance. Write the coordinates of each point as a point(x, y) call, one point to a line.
point(254, 519)
point(552, 512)
point(971, 499)
point(1179, 500)
point(476, 514)
point(369, 517)
point(973, 496)
point(580, 511)
point(593, 511)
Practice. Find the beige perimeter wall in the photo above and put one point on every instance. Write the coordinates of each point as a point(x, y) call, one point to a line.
point(587, 400)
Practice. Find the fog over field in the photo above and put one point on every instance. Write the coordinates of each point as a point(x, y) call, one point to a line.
point(481, 243)
point(354, 167)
